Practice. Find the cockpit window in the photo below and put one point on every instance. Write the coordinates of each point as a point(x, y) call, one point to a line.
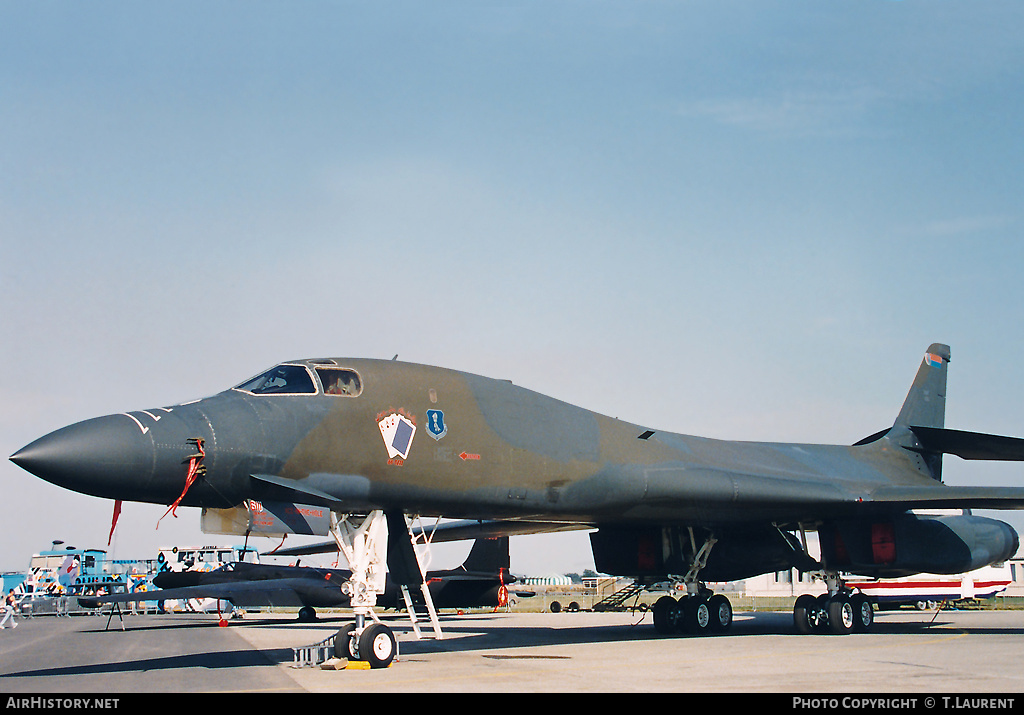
point(281, 380)
point(337, 381)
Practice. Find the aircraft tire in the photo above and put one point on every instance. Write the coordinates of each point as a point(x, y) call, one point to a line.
point(662, 610)
point(841, 615)
point(864, 613)
point(377, 646)
point(820, 621)
point(678, 616)
point(307, 614)
point(804, 614)
point(697, 615)
point(721, 613)
point(345, 644)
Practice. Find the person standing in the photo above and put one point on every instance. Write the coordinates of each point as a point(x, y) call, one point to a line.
point(9, 604)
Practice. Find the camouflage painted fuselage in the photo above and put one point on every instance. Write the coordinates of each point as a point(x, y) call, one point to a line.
point(433, 441)
point(506, 451)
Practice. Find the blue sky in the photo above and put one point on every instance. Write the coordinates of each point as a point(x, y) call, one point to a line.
point(743, 220)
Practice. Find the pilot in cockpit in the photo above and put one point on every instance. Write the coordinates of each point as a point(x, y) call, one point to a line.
point(343, 383)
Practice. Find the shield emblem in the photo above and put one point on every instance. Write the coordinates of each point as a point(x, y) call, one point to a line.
point(436, 427)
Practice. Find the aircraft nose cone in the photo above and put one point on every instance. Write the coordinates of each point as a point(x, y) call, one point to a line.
point(106, 457)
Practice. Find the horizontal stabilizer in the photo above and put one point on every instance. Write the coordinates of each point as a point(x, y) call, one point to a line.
point(320, 547)
point(970, 445)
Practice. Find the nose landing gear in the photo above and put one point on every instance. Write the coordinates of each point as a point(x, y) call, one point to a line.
point(363, 540)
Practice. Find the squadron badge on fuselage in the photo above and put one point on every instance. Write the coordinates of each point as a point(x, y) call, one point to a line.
point(398, 432)
point(436, 427)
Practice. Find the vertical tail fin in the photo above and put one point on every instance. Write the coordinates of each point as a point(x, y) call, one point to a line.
point(925, 406)
point(919, 428)
point(488, 555)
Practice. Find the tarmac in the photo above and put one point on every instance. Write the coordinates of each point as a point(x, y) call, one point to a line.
point(908, 652)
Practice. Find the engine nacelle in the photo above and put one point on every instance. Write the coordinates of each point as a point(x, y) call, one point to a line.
point(651, 553)
point(914, 543)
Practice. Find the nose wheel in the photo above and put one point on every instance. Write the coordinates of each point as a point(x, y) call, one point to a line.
point(377, 645)
point(374, 644)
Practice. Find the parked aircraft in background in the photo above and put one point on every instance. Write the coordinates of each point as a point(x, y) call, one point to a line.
point(370, 443)
point(482, 580)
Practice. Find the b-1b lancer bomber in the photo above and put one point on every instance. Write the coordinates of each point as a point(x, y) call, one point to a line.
point(356, 448)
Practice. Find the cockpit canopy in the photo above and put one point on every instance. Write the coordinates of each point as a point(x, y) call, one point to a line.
point(339, 381)
point(299, 380)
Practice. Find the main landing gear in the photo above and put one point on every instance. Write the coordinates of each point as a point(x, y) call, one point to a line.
point(840, 611)
point(699, 612)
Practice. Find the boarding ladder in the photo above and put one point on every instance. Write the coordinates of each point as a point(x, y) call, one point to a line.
point(421, 547)
point(615, 601)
